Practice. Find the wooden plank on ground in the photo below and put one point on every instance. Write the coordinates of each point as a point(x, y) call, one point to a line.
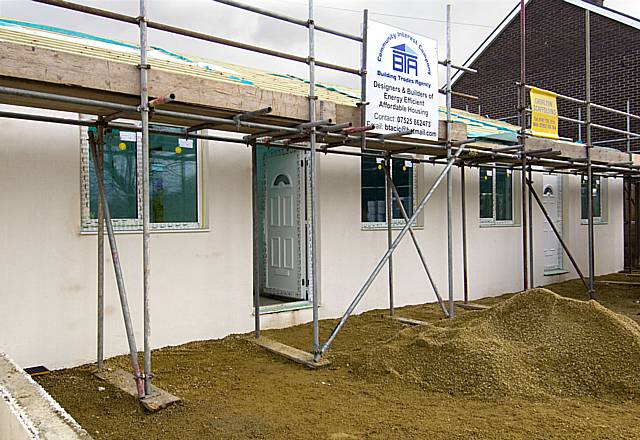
point(157, 400)
point(408, 321)
point(623, 283)
point(470, 306)
point(299, 356)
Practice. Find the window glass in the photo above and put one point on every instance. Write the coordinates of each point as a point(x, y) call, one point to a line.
point(496, 195)
point(372, 190)
point(402, 176)
point(120, 177)
point(597, 197)
point(486, 193)
point(504, 188)
point(173, 179)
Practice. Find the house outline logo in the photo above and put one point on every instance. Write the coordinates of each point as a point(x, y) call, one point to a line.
point(404, 59)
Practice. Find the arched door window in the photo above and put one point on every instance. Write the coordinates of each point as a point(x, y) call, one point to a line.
point(281, 180)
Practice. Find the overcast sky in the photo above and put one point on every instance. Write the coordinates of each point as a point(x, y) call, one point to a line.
point(473, 21)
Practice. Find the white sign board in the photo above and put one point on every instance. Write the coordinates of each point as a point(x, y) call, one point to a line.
point(185, 143)
point(128, 136)
point(402, 82)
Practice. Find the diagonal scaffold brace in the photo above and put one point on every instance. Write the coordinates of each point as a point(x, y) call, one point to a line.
point(403, 211)
point(124, 303)
point(393, 247)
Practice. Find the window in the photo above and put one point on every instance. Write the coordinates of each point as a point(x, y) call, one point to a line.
point(596, 191)
point(374, 210)
point(173, 180)
point(496, 196)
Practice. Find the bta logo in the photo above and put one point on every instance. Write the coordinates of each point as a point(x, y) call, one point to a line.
point(405, 60)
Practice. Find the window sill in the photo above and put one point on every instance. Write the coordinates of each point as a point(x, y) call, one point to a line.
point(383, 226)
point(285, 307)
point(551, 272)
point(595, 222)
point(499, 225)
point(153, 231)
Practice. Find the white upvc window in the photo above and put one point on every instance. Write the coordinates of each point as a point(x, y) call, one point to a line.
point(175, 181)
point(372, 191)
point(496, 196)
point(598, 192)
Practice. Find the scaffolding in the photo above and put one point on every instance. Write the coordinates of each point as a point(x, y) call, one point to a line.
point(323, 136)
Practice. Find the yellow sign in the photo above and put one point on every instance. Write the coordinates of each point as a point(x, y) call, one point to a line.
point(544, 117)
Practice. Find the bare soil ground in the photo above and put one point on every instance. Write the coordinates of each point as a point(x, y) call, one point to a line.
point(234, 389)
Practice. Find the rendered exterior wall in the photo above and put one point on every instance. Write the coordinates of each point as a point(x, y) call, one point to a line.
point(201, 282)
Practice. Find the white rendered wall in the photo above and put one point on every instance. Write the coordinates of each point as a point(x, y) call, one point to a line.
point(201, 282)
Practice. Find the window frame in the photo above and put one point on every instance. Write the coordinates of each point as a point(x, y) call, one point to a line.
point(485, 221)
point(396, 223)
point(90, 225)
point(602, 188)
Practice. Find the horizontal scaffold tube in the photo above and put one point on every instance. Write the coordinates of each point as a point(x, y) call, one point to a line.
point(192, 34)
point(299, 22)
point(125, 126)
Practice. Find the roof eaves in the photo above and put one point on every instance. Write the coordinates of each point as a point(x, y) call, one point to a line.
point(607, 12)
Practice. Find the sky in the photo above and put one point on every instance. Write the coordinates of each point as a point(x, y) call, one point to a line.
point(473, 20)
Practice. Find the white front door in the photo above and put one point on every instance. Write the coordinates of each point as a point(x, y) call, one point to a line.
point(283, 223)
point(552, 201)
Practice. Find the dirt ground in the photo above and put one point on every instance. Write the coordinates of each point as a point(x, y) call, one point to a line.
point(232, 389)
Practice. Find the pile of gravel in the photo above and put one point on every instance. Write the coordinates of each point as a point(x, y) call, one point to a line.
point(536, 343)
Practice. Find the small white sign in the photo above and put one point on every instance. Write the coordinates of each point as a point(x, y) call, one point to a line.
point(185, 143)
point(408, 164)
point(490, 173)
point(402, 82)
point(379, 160)
point(128, 136)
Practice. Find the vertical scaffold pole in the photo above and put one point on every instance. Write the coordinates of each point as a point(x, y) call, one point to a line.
point(313, 258)
point(96, 164)
point(363, 79)
point(449, 175)
point(389, 211)
point(115, 258)
point(530, 214)
point(523, 137)
point(636, 198)
point(629, 130)
point(579, 125)
point(587, 26)
point(627, 200)
point(463, 206)
point(146, 269)
point(256, 237)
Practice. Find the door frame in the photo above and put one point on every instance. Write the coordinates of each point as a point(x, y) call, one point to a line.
point(260, 198)
point(560, 213)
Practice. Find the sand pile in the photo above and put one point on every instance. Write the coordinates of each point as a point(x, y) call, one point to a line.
point(533, 344)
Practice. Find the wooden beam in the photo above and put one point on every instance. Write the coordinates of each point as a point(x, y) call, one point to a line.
point(157, 400)
point(407, 321)
point(54, 71)
point(299, 356)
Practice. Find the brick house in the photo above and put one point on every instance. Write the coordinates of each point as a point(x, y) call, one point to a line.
point(555, 45)
point(556, 61)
